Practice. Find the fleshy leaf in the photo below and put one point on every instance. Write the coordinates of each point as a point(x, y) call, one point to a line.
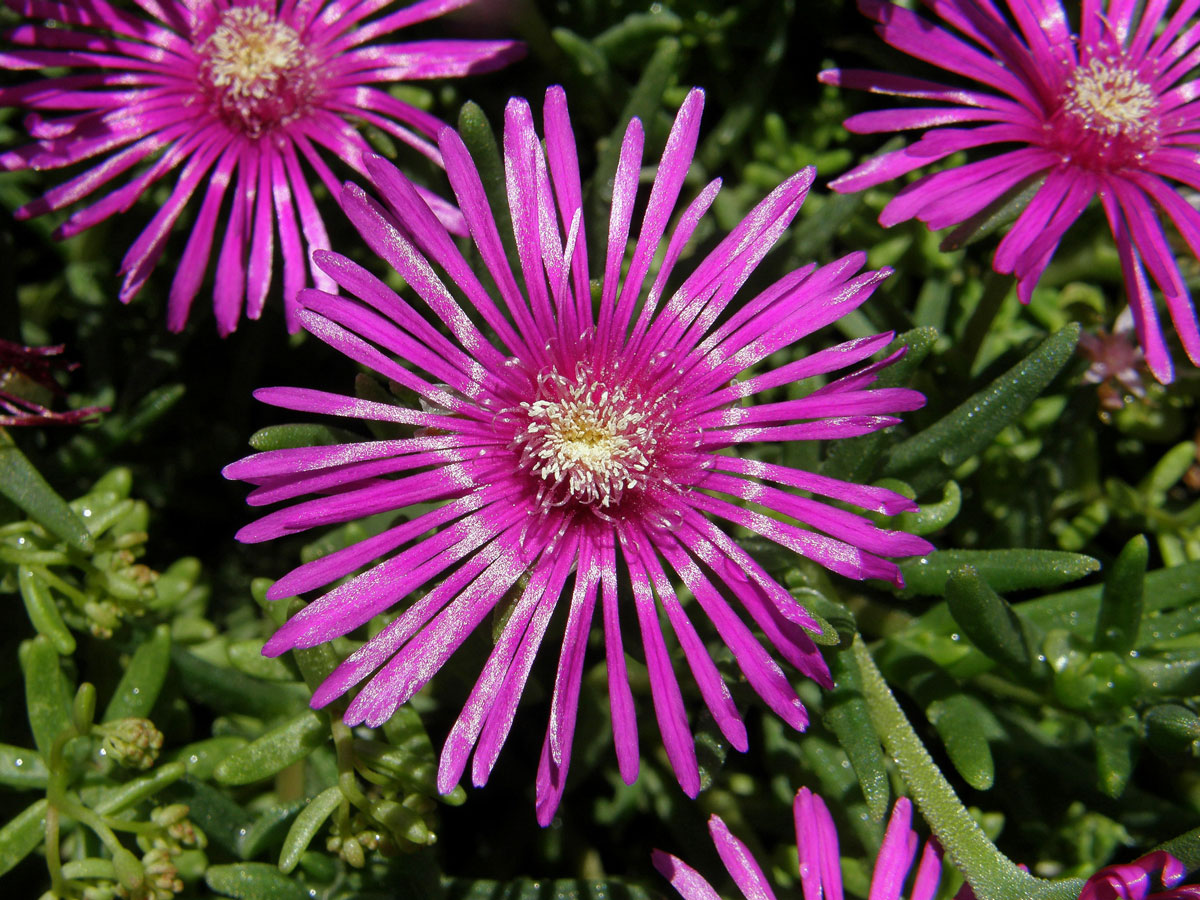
point(927, 459)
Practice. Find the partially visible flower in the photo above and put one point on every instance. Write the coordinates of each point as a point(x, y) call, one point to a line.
point(27, 384)
point(236, 94)
point(581, 451)
point(1117, 362)
point(820, 865)
point(1109, 112)
point(1139, 879)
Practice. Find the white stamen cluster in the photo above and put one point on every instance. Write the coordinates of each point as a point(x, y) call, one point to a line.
point(1109, 98)
point(588, 442)
point(252, 63)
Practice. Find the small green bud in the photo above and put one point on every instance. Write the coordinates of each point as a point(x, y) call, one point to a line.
point(132, 742)
point(83, 710)
point(130, 874)
point(173, 819)
point(104, 617)
point(349, 849)
point(162, 878)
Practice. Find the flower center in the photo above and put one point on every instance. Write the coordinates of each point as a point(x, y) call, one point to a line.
point(586, 441)
point(255, 70)
point(1110, 99)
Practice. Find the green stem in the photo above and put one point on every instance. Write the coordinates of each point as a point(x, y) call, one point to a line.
point(92, 820)
point(343, 744)
point(991, 874)
point(53, 853)
point(1185, 848)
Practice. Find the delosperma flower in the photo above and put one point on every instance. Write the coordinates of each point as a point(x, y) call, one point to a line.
point(27, 384)
point(1108, 111)
point(820, 865)
point(1137, 880)
point(239, 96)
point(571, 453)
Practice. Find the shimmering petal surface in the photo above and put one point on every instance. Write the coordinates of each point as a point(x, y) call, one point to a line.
point(574, 458)
point(817, 849)
point(1098, 114)
point(1139, 879)
point(234, 95)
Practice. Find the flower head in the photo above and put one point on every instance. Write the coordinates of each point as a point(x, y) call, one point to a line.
point(1116, 363)
point(27, 384)
point(235, 94)
point(1137, 880)
point(573, 451)
point(820, 866)
point(1106, 112)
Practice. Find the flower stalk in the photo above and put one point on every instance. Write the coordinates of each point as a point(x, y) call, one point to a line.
point(991, 874)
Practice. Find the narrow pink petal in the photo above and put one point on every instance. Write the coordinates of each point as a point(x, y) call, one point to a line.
point(564, 704)
point(929, 873)
point(467, 728)
point(664, 688)
point(262, 240)
point(895, 854)
point(668, 180)
point(563, 159)
point(624, 194)
point(229, 292)
point(500, 717)
point(687, 881)
point(1141, 301)
point(713, 689)
point(379, 649)
point(472, 200)
point(427, 651)
point(739, 862)
point(623, 713)
point(761, 671)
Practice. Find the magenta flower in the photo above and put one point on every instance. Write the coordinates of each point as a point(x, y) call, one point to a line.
point(237, 93)
point(27, 378)
point(820, 865)
point(576, 451)
point(1136, 880)
point(1107, 112)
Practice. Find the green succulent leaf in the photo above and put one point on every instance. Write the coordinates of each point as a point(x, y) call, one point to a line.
point(558, 889)
point(1001, 570)
point(234, 691)
point(1172, 730)
point(22, 834)
point(22, 768)
point(966, 726)
point(1120, 614)
point(927, 459)
point(1116, 754)
point(988, 620)
point(24, 485)
point(222, 819)
point(144, 677)
point(254, 881)
point(847, 716)
point(48, 696)
point(126, 795)
point(43, 612)
point(274, 751)
point(267, 829)
point(306, 825)
point(305, 434)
